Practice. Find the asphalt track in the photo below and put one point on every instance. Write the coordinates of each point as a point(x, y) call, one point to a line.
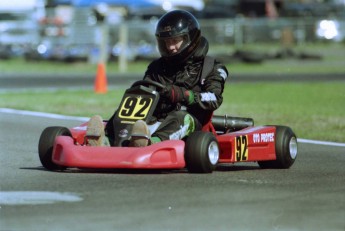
point(10, 82)
point(308, 196)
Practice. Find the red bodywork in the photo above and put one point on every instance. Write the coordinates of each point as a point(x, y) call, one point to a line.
point(247, 145)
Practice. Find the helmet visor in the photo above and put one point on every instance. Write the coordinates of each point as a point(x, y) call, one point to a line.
point(170, 46)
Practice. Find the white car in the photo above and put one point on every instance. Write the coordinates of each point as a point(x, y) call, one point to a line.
point(331, 29)
point(168, 5)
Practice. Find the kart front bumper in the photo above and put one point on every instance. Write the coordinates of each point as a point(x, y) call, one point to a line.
point(163, 155)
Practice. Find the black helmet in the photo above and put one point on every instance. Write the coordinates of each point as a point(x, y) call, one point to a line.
point(174, 24)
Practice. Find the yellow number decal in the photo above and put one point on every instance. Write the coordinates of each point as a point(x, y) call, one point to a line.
point(135, 108)
point(241, 148)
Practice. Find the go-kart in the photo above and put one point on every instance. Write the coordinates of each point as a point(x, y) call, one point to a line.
point(223, 139)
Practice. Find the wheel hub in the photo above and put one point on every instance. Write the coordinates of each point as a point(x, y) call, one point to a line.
point(213, 152)
point(293, 147)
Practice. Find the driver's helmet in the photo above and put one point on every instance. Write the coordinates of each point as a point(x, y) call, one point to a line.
point(174, 24)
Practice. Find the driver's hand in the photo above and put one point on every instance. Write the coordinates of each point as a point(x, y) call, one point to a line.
point(176, 94)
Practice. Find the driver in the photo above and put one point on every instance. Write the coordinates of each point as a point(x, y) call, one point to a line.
point(187, 101)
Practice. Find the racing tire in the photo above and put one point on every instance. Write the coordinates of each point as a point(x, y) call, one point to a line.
point(201, 152)
point(286, 149)
point(46, 144)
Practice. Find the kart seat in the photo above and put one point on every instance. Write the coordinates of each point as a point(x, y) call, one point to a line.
point(208, 126)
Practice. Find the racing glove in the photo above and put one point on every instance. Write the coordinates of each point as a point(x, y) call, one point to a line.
point(177, 94)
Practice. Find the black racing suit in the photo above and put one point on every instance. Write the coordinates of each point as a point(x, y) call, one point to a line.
point(180, 119)
point(207, 94)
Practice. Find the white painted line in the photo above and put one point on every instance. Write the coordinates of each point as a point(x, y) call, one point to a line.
point(84, 119)
point(42, 114)
point(36, 197)
point(321, 142)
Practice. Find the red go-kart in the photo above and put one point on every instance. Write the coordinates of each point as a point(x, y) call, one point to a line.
point(223, 139)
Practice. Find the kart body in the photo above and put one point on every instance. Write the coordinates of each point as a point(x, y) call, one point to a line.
point(223, 139)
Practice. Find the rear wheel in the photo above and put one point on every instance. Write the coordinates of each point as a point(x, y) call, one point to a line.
point(286, 149)
point(201, 152)
point(46, 144)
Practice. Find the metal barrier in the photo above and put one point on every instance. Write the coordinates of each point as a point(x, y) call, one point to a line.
point(135, 39)
point(238, 31)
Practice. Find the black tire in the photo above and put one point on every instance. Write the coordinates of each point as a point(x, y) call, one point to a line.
point(201, 152)
point(46, 143)
point(286, 149)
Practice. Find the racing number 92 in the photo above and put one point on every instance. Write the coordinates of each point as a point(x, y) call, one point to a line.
point(241, 148)
point(135, 108)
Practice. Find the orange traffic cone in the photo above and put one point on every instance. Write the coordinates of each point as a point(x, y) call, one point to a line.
point(101, 79)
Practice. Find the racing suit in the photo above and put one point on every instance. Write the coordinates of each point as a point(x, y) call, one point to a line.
point(176, 120)
point(182, 118)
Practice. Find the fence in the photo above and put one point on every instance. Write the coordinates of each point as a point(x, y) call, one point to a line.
point(135, 39)
point(219, 32)
point(234, 31)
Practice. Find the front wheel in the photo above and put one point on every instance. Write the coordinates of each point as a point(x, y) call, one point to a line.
point(46, 145)
point(286, 149)
point(201, 152)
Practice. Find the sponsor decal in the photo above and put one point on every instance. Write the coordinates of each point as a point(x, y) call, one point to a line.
point(208, 96)
point(123, 133)
point(263, 137)
point(222, 73)
point(185, 130)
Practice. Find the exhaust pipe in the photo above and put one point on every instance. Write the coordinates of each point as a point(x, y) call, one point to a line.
point(227, 123)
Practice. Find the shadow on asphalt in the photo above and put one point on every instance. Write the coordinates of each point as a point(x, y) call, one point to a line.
point(220, 168)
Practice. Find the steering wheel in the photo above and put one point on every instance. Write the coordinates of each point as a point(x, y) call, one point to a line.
point(148, 83)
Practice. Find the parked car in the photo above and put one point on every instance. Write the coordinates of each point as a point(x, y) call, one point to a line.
point(19, 25)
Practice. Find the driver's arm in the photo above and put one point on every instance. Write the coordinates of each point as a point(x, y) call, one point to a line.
point(210, 98)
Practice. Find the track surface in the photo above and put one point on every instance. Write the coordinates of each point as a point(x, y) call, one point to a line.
point(309, 196)
point(9, 82)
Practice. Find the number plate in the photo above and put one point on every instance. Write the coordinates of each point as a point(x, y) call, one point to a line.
point(241, 148)
point(135, 107)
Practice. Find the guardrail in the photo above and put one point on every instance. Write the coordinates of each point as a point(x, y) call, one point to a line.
point(135, 38)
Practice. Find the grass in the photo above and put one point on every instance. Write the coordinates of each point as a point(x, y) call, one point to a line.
point(312, 110)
